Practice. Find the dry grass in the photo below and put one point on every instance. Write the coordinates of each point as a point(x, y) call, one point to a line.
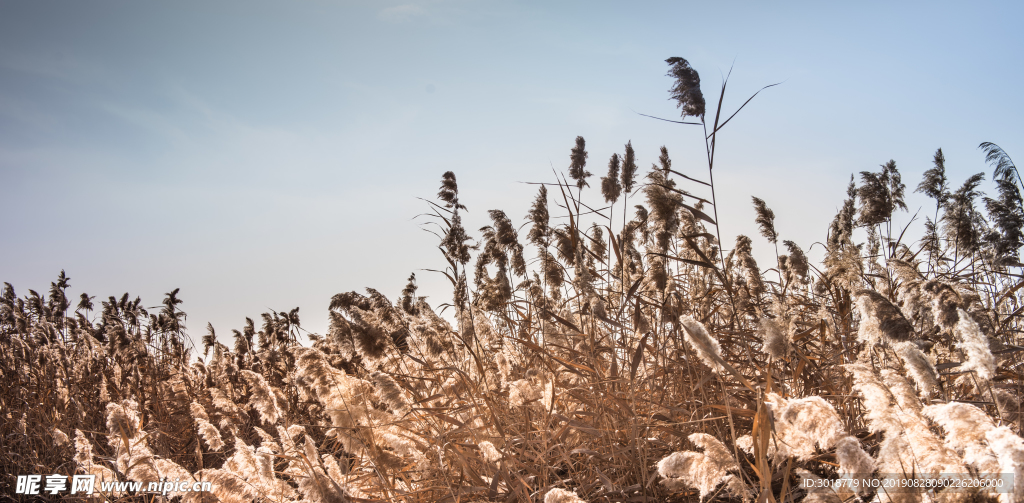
point(634, 360)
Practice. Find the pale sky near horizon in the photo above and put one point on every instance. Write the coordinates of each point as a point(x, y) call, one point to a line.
point(267, 155)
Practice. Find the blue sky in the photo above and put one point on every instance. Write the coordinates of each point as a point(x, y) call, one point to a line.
point(266, 155)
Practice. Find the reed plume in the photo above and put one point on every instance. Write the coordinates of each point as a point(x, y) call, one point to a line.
point(706, 347)
point(557, 495)
point(748, 266)
point(775, 338)
point(262, 398)
point(209, 432)
point(880, 195)
point(802, 424)
point(966, 426)
point(881, 320)
point(797, 262)
point(765, 219)
point(578, 163)
point(686, 89)
point(855, 465)
point(490, 453)
point(1009, 449)
point(611, 187)
point(628, 174)
point(703, 471)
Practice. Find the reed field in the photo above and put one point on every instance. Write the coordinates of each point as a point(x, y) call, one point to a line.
point(615, 345)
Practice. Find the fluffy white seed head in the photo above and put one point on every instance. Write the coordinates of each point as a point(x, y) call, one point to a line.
point(975, 345)
point(122, 420)
point(966, 426)
point(715, 451)
point(389, 392)
point(868, 331)
point(59, 438)
point(1009, 449)
point(210, 434)
point(855, 464)
point(83, 450)
point(523, 391)
point(877, 398)
point(490, 453)
point(557, 495)
point(774, 338)
point(703, 471)
point(706, 347)
point(262, 397)
point(803, 423)
point(919, 367)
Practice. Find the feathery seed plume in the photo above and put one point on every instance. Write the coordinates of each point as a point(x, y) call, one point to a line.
point(209, 432)
point(775, 337)
point(934, 184)
point(1009, 448)
point(909, 448)
point(262, 397)
point(881, 319)
point(83, 449)
point(169, 471)
point(122, 421)
point(798, 264)
point(227, 487)
point(919, 367)
point(966, 426)
point(974, 343)
point(945, 303)
point(962, 223)
point(578, 161)
point(706, 347)
point(409, 304)
point(522, 392)
point(876, 396)
point(60, 439)
point(802, 423)
point(855, 464)
point(504, 367)
point(83, 456)
point(745, 443)
point(389, 392)
point(611, 188)
point(540, 233)
point(490, 453)
point(370, 338)
point(449, 191)
point(880, 194)
point(557, 495)
point(752, 274)
point(628, 168)
point(664, 200)
point(997, 157)
point(686, 89)
point(703, 471)
point(765, 219)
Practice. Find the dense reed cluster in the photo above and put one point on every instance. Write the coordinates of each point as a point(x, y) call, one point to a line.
point(617, 353)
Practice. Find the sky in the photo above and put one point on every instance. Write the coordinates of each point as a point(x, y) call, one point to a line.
point(268, 155)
